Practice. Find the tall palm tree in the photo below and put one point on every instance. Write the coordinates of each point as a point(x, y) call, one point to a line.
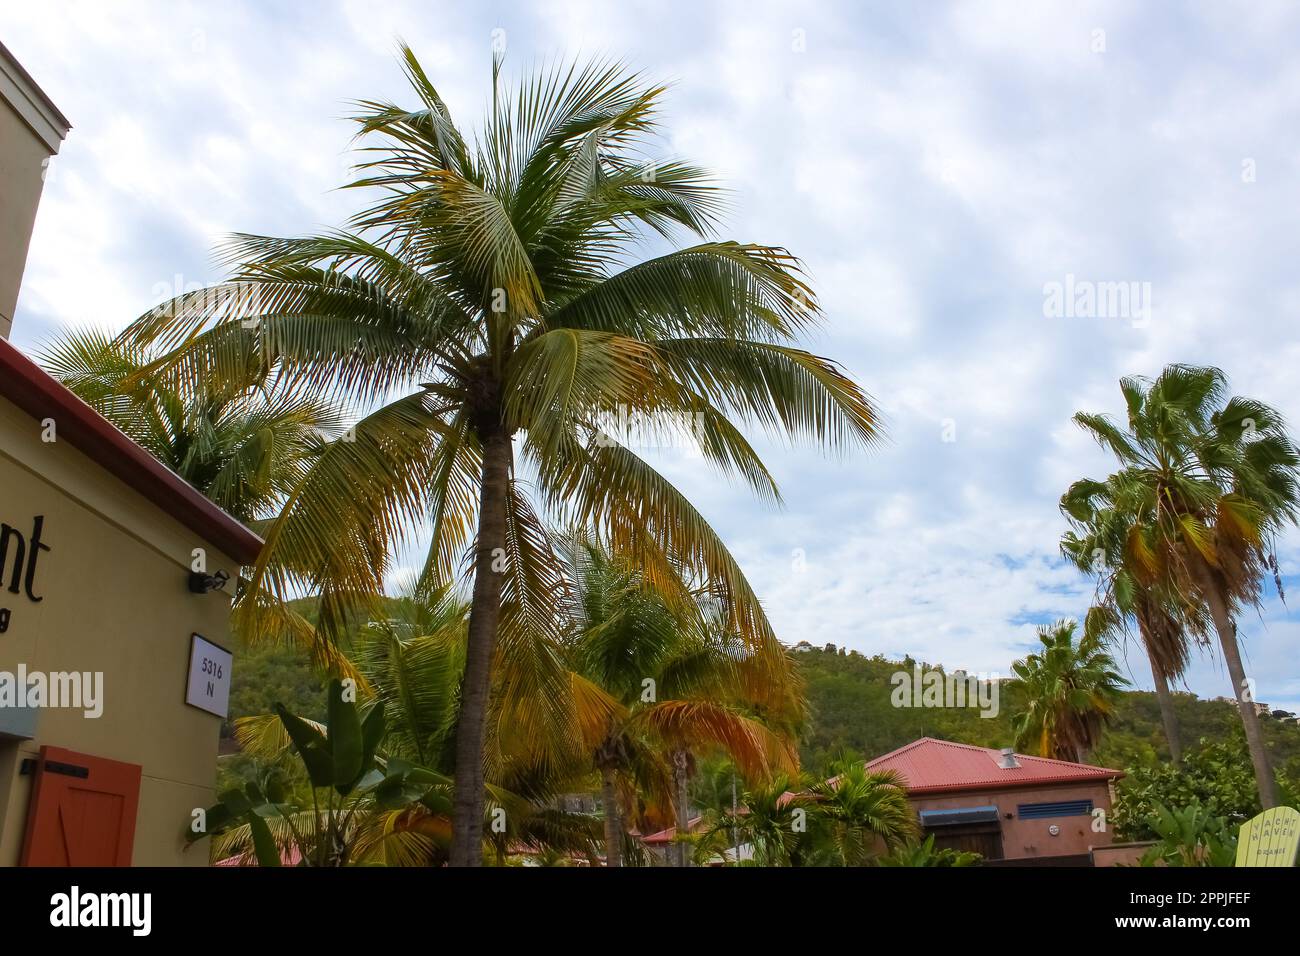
point(243, 442)
point(680, 686)
point(483, 307)
point(411, 662)
point(1103, 541)
point(1215, 479)
point(1070, 689)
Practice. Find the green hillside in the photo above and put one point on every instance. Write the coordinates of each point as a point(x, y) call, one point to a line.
point(849, 697)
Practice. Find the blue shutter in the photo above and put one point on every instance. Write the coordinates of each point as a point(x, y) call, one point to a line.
point(1066, 808)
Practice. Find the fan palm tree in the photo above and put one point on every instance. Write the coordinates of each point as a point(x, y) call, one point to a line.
point(484, 309)
point(1070, 689)
point(1215, 480)
point(243, 442)
point(680, 685)
point(1102, 542)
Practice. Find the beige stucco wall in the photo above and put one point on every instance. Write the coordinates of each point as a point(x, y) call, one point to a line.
point(1030, 838)
point(115, 594)
point(22, 154)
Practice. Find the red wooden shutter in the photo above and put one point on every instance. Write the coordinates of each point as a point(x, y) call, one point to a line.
point(82, 811)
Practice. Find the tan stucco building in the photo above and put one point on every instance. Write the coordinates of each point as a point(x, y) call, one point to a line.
point(98, 542)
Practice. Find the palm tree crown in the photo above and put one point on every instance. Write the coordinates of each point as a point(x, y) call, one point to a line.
point(244, 442)
point(1071, 688)
point(487, 309)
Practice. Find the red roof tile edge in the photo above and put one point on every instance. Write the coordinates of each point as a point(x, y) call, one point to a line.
point(30, 388)
point(1078, 772)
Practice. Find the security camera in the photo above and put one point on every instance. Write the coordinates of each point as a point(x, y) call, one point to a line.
point(201, 583)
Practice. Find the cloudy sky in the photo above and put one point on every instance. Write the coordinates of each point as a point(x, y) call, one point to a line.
point(937, 168)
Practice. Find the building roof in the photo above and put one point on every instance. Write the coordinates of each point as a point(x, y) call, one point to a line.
point(669, 835)
point(19, 90)
point(28, 386)
point(933, 766)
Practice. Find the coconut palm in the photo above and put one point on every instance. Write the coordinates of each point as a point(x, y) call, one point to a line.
point(1070, 689)
point(1215, 480)
point(484, 310)
point(411, 661)
point(243, 442)
point(680, 686)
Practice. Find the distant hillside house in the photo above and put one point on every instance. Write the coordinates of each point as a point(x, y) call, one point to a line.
point(1003, 805)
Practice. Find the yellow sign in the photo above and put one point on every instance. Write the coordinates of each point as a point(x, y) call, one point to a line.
point(1270, 839)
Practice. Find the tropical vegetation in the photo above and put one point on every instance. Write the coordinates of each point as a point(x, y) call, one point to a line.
point(1207, 481)
point(479, 357)
point(483, 316)
point(1070, 688)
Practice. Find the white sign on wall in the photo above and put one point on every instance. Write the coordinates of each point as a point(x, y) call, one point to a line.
point(209, 682)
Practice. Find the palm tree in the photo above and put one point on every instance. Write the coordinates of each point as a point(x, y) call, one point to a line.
point(491, 279)
point(863, 808)
point(1070, 689)
point(845, 821)
point(243, 442)
point(1103, 541)
point(410, 661)
point(774, 821)
point(678, 684)
point(1214, 479)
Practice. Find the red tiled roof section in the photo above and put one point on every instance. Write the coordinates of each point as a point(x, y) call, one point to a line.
point(930, 766)
point(670, 834)
point(27, 385)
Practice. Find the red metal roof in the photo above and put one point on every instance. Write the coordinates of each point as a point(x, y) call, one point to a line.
point(28, 386)
point(670, 834)
point(930, 766)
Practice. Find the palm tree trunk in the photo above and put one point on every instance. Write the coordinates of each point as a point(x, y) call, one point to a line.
point(1165, 698)
point(613, 828)
point(1246, 707)
point(681, 763)
point(484, 615)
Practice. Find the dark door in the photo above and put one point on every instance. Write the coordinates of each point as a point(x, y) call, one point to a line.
point(82, 811)
point(984, 840)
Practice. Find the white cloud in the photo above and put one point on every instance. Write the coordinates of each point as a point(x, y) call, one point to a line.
point(934, 167)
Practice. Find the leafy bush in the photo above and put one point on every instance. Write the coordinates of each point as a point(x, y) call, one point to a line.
point(924, 854)
point(1216, 776)
point(1191, 836)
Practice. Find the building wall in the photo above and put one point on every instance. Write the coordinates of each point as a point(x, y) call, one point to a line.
point(115, 600)
point(22, 154)
point(1121, 854)
point(1022, 839)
